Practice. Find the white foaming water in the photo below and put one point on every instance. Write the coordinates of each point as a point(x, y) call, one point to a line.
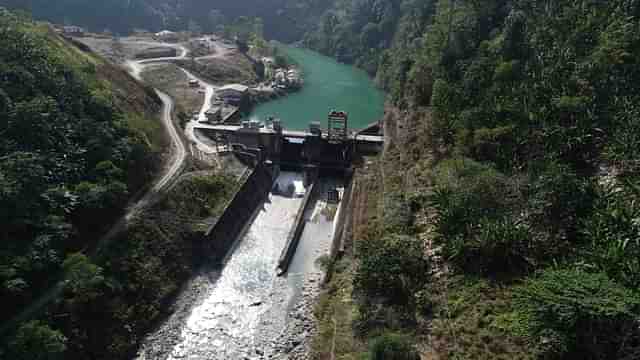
point(224, 324)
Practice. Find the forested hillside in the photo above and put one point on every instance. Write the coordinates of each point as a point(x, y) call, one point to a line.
point(114, 15)
point(76, 143)
point(284, 20)
point(504, 211)
point(79, 138)
point(359, 31)
point(501, 222)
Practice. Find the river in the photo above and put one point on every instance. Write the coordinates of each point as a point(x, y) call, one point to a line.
point(243, 310)
point(327, 85)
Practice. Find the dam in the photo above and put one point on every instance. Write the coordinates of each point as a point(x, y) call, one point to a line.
point(333, 148)
point(255, 303)
point(245, 308)
point(253, 298)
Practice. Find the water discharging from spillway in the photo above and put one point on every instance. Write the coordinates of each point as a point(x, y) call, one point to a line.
point(244, 310)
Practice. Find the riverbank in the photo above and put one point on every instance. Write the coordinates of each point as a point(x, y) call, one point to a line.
point(327, 85)
point(144, 259)
point(243, 309)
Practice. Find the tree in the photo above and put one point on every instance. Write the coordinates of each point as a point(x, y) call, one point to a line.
point(370, 35)
point(84, 279)
point(392, 347)
point(35, 340)
point(281, 61)
point(394, 267)
point(584, 314)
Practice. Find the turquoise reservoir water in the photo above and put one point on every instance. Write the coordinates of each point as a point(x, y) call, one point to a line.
point(328, 85)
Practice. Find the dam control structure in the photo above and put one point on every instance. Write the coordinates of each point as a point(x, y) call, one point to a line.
point(334, 148)
point(269, 149)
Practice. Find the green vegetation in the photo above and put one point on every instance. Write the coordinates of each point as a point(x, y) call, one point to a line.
point(36, 341)
point(125, 16)
point(127, 286)
point(245, 31)
point(517, 174)
point(199, 197)
point(474, 319)
point(500, 223)
point(392, 347)
point(78, 141)
point(389, 266)
point(335, 312)
point(72, 153)
point(579, 313)
point(236, 69)
point(356, 31)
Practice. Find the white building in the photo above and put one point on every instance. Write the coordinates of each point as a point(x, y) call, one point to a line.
point(73, 30)
point(166, 35)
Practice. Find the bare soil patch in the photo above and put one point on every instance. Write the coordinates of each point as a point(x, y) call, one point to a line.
point(233, 68)
point(173, 81)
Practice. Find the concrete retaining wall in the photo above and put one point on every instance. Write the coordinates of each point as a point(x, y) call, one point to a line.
point(293, 238)
point(221, 236)
point(339, 234)
point(337, 244)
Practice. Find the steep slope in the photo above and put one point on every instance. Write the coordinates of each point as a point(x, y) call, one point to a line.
point(511, 165)
point(114, 15)
point(79, 139)
point(285, 20)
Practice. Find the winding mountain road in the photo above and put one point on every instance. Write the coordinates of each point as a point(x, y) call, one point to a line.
point(136, 206)
point(136, 67)
point(180, 150)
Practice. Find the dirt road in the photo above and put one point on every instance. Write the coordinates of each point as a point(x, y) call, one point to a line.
point(170, 172)
point(180, 150)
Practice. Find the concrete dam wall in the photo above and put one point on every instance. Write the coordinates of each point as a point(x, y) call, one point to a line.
point(294, 234)
point(221, 236)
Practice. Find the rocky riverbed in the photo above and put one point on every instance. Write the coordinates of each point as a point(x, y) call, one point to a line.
point(243, 310)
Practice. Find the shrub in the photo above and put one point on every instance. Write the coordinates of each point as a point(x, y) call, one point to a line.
point(495, 144)
point(200, 196)
point(612, 234)
point(623, 147)
point(397, 214)
point(571, 311)
point(475, 226)
point(496, 246)
point(394, 267)
point(392, 347)
point(558, 197)
point(507, 71)
point(35, 340)
point(466, 191)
